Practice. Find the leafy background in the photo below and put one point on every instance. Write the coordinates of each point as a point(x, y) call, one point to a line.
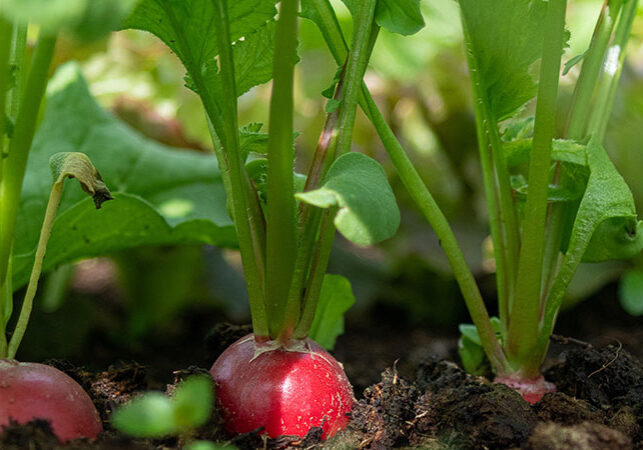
point(421, 85)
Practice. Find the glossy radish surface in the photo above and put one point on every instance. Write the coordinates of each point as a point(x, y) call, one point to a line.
point(29, 391)
point(285, 391)
point(531, 389)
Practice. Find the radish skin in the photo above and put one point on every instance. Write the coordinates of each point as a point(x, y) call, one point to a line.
point(31, 391)
point(287, 391)
point(531, 389)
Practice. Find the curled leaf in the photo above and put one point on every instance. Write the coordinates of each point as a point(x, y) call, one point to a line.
point(78, 165)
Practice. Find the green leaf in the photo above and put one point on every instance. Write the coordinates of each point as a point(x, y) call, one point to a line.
point(615, 238)
point(505, 40)
point(252, 140)
point(186, 26)
point(163, 196)
point(398, 16)
point(607, 198)
point(631, 292)
point(86, 19)
point(193, 401)
point(335, 299)
point(572, 62)
point(518, 152)
point(148, 416)
point(470, 349)
point(357, 185)
point(472, 357)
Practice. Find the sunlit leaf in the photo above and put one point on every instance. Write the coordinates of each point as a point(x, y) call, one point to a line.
point(162, 196)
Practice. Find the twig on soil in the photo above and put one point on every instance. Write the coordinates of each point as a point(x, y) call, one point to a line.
point(606, 365)
point(563, 340)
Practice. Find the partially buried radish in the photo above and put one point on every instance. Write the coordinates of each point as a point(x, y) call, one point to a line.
point(31, 391)
point(285, 390)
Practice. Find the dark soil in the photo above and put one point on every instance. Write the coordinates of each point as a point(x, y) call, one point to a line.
point(410, 394)
point(599, 405)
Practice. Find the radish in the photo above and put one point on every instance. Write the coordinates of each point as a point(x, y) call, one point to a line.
point(287, 391)
point(531, 389)
point(31, 391)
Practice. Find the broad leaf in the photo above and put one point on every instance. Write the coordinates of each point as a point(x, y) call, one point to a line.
point(149, 416)
point(162, 196)
point(187, 27)
point(193, 401)
point(398, 16)
point(87, 19)
point(505, 39)
point(470, 349)
point(606, 218)
point(335, 299)
point(357, 186)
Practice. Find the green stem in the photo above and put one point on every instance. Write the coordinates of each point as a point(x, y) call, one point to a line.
point(611, 72)
point(364, 35)
point(27, 305)
point(16, 162)
point(310, 217)
point(6, 31)
point(6, 309)
point(431, 211)
point(583, 93)
point(314, 284)
point(17, 59)
point(421, 195)
point(525, 315)
point(490, 189)
point(245, 216)
point(508, 221)
point(281, 232)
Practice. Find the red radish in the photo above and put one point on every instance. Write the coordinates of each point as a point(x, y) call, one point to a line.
point(532, 390)
point(285, 390)
point(30, 390)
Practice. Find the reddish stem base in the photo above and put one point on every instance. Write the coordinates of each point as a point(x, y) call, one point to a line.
point(531, 389)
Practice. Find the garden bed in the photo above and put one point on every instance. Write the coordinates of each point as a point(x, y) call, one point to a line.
point(421, 399)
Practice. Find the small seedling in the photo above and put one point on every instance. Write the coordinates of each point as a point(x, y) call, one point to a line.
point(154, 415)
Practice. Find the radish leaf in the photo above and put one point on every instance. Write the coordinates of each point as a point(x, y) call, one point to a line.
point(187, 27)
point(86, 19)
point(150, 415)
point(505, 38)
point(192, 402)
point(163, 196)
point(398, 16)
point(335, 299)
point(606, 224)
point(357, 185)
